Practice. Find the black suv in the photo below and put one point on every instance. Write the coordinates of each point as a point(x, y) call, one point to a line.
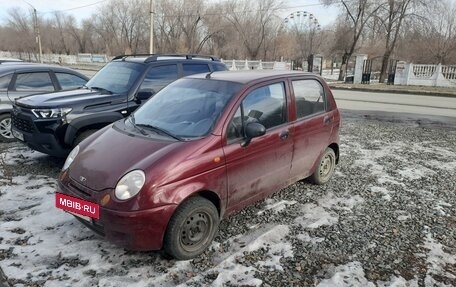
point(54, 123)
point(18, 79)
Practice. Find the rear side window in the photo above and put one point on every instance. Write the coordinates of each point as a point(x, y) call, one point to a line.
point(216, 67)
point(5, 81)
point(190, 69)
point(69, 81)
point(158, 77)
point(309, 97)
point(34, 82)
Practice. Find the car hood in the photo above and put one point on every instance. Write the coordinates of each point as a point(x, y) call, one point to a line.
point(105, 158)
point(67, 99)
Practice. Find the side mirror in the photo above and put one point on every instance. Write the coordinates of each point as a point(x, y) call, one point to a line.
point(253, 130)
point(143, 95)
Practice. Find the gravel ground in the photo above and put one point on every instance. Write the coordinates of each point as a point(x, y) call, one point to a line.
point(387, 218)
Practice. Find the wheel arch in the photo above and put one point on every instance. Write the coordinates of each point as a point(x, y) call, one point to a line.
point(335, 148)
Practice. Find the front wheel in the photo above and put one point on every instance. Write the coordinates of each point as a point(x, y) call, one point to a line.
point(191, 229)
point(5, 128)
point(325, 168)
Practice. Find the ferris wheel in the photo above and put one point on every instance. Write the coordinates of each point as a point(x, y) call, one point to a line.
point(301, 21)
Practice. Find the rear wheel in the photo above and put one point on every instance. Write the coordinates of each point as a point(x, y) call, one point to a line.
point(82, 136)
point(5, 128)
point(325, 168)
point(191, 229)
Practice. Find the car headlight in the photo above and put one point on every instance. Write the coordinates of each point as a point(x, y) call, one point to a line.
point(71, 157)
point(51, 113)
point(130, 184)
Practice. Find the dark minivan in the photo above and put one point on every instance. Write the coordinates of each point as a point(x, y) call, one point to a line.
point(202, 148)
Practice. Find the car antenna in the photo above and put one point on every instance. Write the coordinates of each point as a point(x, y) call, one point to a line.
point(208, 76)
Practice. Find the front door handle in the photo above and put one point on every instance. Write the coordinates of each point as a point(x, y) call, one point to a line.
point(327, 120)
point(284, 135)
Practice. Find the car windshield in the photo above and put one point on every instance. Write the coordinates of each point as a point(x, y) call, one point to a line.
point(187, 108)
point(116, 77)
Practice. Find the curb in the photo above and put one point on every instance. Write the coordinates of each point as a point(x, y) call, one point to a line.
point(393, 91)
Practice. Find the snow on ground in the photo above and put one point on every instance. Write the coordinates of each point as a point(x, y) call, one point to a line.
point(333, 235)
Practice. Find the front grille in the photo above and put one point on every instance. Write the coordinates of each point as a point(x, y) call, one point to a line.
point(22, 124)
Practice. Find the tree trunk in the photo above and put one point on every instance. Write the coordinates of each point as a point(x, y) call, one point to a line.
point(384, 70)
point(343, 66)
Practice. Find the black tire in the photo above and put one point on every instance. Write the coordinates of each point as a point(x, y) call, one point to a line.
point(5, 128)
point(325, 169)
point(191, 229)
point(82, 136)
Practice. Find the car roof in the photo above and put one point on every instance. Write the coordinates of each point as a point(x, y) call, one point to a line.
point(248, 76)
point(8, 67)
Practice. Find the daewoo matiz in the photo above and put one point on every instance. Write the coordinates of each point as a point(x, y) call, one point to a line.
point(199, 150)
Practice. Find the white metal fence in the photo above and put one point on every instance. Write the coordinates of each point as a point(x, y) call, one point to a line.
point(425, 75)
point(58, 58)
point(235, 65)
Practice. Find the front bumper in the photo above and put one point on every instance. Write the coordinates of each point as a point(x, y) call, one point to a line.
point(41, 134)
point(135, 230)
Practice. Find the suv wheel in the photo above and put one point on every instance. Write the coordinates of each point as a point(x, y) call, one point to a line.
point(5, 128)
point(191, 228)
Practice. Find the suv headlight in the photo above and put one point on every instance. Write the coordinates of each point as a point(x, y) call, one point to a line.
point(51, 113)
point(71, 157)
point(130, 184)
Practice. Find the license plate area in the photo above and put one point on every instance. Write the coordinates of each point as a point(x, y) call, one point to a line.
point(79, 207)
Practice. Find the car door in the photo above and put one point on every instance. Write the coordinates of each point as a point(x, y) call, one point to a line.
point(312, 127)
point(263, 166)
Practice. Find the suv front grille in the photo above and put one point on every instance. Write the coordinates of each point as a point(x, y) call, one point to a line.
point(24, 125)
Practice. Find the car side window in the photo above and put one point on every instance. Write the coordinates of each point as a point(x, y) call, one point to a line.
point(265, 105)
point(309, 97)
point(5, 81)
point(158, 77)
point(34, 82)
point(69, 81)
point(190, 69)
point(218, 67)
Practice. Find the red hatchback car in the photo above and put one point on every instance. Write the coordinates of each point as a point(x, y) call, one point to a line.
point(202, 148)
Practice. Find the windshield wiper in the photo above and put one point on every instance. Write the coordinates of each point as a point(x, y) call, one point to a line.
point(100, 89)
point(132, 120)
point(163, 131)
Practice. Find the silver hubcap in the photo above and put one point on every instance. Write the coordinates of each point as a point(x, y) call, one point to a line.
point(326, 166)
point(5, 128)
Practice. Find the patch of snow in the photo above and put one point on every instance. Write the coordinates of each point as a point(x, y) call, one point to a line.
point(276, 206)
point(382, 190)
point(398, 282)
point(415, 172)
point(307, 238)
point(316, 216)
point(437, 259)
point(440, 207)
point(351, 274)
point(340, 203)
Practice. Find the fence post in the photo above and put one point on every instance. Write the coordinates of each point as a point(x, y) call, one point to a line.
point(233, 65)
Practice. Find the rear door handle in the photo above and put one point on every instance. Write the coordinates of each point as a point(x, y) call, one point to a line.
point(284, 135)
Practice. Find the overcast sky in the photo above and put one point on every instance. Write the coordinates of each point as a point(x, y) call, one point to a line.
point(324, 15)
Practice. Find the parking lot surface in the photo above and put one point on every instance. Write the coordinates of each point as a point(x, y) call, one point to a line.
point(387, 218)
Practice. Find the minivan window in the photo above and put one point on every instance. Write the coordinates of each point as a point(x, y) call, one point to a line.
point(190, 69)
point(34, 82)
point(309, 97)
point(5, 81)
point(116, 77)
point(265, 105)
point(187, 108)
point(69, 81)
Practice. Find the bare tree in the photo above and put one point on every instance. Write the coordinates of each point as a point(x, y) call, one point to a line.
point(395, 12)
point(357, 14)
point(252, 20)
